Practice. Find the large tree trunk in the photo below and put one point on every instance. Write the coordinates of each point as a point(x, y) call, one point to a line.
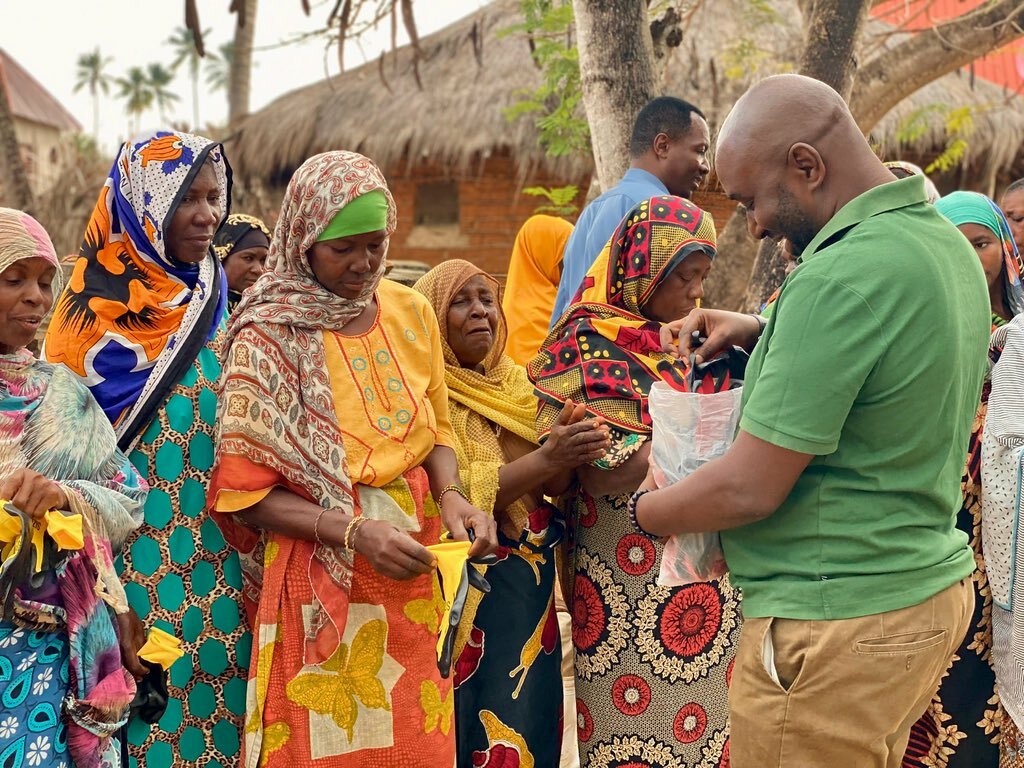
point(240, 78)
point(832, 30)
point(616, 76)
point(14, 178)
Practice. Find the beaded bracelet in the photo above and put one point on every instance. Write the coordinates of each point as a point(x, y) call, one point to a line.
point(631, 511)
point(455, 488)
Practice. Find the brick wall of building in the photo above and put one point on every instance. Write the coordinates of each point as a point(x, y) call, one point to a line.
point(492, 207)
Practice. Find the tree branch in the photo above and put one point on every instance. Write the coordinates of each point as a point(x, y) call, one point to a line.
point(893, 75)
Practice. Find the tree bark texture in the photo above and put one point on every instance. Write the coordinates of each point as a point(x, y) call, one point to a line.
point(240, 79)
point(14, 179)
point(616, 77)
point(890, 77)
point(832, 29)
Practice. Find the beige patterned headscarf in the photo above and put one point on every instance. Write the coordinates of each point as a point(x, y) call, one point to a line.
point(276, 406)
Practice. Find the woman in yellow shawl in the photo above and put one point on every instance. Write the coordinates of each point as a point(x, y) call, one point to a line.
point(532, 284)
point(508, 688)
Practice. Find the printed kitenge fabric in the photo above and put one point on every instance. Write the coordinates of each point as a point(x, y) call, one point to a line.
point(129, 304)
point(507, 671)
point(63, 689)
point(961, 727)
point(180, 575)
point(238, 232)
point(604, 352)
point(345, 672)
point(652, 663)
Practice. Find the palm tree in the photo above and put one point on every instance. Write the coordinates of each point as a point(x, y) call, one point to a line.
point(159, 78)
point(185, 51)
point(91, 74)
point(241, 60)
point(137, 93)
point(218, 70)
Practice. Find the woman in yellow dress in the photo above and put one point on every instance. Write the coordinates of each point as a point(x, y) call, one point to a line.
point(334, 470)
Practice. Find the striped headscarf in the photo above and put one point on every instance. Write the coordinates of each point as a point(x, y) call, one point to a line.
point(22, 237)
point(129, 305)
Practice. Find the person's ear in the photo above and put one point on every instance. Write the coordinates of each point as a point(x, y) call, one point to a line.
point(806, 163)
point(661, 145)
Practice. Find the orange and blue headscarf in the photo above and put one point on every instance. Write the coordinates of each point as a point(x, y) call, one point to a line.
point(131, 312)
point(974, 208)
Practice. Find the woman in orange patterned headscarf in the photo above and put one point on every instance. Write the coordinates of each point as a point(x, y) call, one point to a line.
point(138, 323)
point(532, 283)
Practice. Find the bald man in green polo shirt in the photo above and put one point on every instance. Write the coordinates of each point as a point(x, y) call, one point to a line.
point(837, 502)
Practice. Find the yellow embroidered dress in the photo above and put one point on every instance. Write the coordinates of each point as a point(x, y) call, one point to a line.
point(377, 699)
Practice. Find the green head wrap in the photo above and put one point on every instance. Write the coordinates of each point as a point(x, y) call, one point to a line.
point(970, 208)
point(367, 213)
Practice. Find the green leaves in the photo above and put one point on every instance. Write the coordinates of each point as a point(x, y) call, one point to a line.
point(556, 105)
point(561, 200)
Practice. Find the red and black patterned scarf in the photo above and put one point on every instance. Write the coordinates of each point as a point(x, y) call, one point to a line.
point(605, 352)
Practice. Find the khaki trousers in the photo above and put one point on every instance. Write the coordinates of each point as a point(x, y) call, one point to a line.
point(843, 693)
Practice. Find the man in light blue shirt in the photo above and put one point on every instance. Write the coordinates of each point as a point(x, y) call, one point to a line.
point(668, 147)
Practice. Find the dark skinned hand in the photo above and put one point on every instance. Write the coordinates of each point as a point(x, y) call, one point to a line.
point(33, 493)
point(391, 552)
point(575, 440)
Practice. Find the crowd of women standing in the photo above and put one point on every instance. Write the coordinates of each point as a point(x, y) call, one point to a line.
point(277, 435)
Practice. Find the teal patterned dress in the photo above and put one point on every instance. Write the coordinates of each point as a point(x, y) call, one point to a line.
point(181, 576)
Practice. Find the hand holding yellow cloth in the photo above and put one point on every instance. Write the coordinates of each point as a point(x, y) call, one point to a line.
point(65, 529)
point(161, 648)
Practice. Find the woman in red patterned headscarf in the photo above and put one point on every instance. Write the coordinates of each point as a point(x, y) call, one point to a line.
point(635, 641)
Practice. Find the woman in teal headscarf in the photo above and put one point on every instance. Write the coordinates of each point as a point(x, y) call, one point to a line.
point(963, 720)
point(981, 222)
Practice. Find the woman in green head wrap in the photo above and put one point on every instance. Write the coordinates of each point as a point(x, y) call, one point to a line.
point(984, 225)
point(335, 441)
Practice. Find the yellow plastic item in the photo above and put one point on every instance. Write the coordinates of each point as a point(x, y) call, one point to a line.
point(161, 648)
point(451, 562)
point(65, 530)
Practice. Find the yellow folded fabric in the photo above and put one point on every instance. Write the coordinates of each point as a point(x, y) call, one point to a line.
point(451, 561)
point(161, 648)
point(65, 529)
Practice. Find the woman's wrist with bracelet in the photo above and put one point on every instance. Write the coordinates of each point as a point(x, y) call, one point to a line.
point(631, 510)
point(452, 488)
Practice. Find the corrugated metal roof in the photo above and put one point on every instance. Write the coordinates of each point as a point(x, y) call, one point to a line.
point(1004, 67)
point(31, 101)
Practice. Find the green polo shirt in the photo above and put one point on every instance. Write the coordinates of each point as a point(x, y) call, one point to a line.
point(872, 361)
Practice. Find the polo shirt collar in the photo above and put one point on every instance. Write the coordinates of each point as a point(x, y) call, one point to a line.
point(880, 199)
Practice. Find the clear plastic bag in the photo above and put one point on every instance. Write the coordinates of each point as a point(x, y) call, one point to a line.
point(690, 429)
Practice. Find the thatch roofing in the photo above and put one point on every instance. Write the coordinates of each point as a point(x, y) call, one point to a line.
point(471, 73)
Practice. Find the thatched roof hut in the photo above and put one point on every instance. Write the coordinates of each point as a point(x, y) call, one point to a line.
point(470, 73)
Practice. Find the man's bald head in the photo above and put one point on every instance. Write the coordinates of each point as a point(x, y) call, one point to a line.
point(782, 110)
point(790, 146)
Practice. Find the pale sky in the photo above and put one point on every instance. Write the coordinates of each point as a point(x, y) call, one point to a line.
point(47, 36)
